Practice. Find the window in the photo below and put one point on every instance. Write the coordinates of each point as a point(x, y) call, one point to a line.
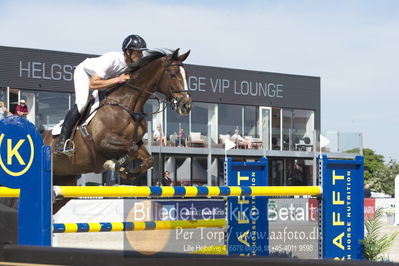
point(199, 170)
point(230, 118)
point(298, 127)
point(183, 171)
point(250, 125)
point(303, 127)
point(215, 173)
point(287, 129)
point(199, 118)
point(170, 167)
point(276, 172)
point(149, 107)
point(299, 172)
point(175, 122)
point(276, 127)
point(51, 107)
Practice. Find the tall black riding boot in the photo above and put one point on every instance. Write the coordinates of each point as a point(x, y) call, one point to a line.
point(70, 120)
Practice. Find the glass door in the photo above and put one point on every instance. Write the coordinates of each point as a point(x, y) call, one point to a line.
point(13, 96)
point(265, 126)
point(276, 172)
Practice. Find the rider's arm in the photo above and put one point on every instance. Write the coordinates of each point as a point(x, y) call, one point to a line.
point(98, 83)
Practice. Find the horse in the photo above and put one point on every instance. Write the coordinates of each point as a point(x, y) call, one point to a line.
point(118, 126)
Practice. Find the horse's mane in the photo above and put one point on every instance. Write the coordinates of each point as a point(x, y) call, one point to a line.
point(150, 56)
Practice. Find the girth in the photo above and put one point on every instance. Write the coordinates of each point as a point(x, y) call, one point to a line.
point(137, 117)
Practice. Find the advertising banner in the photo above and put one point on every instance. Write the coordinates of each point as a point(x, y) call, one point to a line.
point(343, 229)
point(188, 210)
point(247, 216)
point(369, 208)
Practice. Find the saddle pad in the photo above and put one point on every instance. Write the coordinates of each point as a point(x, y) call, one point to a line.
point(57, 128)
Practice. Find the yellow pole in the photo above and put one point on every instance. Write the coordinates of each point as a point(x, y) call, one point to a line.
point(133, 191)
point(98, 191)
point(140, 226)
point(6, 192)
point(286, 191)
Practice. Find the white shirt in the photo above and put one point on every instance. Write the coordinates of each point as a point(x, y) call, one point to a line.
point(109, 65)
point(157, 134)
point(237, 136)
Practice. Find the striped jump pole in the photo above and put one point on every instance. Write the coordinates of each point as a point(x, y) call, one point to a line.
point(137, 226)
point(190, 192)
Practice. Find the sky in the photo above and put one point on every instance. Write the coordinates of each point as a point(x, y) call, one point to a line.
point(351, 45)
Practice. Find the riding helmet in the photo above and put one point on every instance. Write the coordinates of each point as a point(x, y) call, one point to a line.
point(134, 42)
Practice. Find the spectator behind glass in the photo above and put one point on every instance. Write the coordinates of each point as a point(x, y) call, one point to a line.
point(158, 135)
point(21, 109)
point(166, 181)
point(240, 140)
point(296, 175)
point(3, 110)
point(181, 138)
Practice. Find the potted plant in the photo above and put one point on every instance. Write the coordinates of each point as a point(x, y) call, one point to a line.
point(374, 243)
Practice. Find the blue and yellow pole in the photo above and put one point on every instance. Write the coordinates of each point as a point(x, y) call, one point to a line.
point(136, 226)
point(211, 191)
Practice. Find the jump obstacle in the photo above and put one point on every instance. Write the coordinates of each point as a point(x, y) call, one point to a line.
point(166, 192)
point(26, 171)
point(136, 226)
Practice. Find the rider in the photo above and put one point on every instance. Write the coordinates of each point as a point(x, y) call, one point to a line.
point(97, 74)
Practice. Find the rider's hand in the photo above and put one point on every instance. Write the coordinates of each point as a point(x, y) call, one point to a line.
point(124, 77)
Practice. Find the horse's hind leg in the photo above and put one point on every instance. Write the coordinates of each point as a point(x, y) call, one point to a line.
point(62, 181)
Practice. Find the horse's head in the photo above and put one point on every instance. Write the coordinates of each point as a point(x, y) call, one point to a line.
point(173, 83)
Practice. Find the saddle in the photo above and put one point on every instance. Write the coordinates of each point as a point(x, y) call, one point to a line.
point(96, 101)
point(84, 120)
point(90, 110)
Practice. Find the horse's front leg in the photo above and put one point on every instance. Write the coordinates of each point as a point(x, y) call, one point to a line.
point(134, 163)
point(113, 145)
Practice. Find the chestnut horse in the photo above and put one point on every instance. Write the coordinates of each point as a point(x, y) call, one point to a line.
point(118, 126)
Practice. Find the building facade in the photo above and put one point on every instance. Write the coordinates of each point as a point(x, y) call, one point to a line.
point(277, 115)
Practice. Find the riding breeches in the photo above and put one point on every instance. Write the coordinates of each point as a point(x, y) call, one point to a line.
point(82, 83)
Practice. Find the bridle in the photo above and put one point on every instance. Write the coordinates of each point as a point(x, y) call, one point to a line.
point(170, 100)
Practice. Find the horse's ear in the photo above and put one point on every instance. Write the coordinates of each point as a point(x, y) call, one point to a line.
point(184, 56)
point(175, 55)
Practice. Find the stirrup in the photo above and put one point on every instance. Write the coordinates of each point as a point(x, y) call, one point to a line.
point(68, 152)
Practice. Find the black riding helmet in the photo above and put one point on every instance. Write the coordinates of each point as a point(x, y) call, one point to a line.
point(134, 42)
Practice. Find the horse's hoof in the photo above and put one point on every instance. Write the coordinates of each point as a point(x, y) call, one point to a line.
point(109, 165)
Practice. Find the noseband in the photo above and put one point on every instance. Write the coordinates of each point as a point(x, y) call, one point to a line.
point(170, 98)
